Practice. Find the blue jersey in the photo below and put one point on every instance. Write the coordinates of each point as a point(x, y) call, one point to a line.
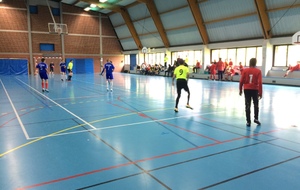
point(42, 70)
point(42, 67)
point(109, 68)
point(62, 67)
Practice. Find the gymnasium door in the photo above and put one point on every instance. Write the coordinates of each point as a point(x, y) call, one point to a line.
point(82, 66)
point(13, 67)
point(132, 61)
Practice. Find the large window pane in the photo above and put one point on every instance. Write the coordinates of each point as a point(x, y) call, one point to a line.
point(280, 56)
point(215, 55)
point(232, 56)
point(259, 56)
point(223, 54)
point(241, 56)
point(293, 55)
point(250, 53)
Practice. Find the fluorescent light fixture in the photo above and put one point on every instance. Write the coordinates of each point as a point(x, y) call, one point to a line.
point(87, 8)
point(102, 1)
point(93, 5)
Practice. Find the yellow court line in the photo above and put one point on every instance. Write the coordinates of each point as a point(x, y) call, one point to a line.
point(74, 127)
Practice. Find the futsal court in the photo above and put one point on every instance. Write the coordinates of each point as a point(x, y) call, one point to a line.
point(79, 136)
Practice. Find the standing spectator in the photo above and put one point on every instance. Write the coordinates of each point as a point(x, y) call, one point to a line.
point(251, 82)
point(70, 70)
point(181, 73)
point(51, 68)
point(212, 70)
point(220, 68)
point(41, 68)
point(166, 61)
point(241, 68)
point(186, 60)
point(62, 70)
point(109, 68)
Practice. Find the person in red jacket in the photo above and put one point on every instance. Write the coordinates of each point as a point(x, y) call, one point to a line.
point(212, 70)
point(251, 82)
point(220, 68)
point(291, 69)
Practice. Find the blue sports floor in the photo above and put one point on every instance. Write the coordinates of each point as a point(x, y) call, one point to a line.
point(79, 136)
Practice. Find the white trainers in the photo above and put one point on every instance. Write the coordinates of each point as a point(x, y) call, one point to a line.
point(188, 106)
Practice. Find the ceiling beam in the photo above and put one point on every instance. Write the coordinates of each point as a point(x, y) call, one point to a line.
point(123, 11)
point(157, 21)
point(263, 18)
point(194, 6)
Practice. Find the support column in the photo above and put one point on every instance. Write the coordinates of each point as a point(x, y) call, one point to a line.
point(31, 62)
point(62, 37)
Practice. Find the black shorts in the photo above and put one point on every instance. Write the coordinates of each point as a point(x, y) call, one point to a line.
point(182, 84)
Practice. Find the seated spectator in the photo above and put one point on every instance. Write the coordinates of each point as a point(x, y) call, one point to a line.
point(143, 68)
point(196, 67)
point(291, 69)
point(229, 72)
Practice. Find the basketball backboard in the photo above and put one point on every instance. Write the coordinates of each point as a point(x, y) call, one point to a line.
point(296, 38)
point(57, 28)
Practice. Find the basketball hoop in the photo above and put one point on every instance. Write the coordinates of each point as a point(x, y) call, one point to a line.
point(296, 38)
point(58, 30)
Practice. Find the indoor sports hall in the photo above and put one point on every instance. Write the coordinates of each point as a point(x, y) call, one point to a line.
point(79, 136)
point(72, 131)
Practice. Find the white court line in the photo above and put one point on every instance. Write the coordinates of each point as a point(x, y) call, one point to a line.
point(124, 125)
point(59, 105)
point(17, 115)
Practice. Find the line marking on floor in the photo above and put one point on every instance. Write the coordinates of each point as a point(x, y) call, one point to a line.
point(17, 115)
point(122, 125)
point(87, 123)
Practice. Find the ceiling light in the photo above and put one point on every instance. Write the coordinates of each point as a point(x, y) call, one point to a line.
point(87, 9)
point(102, 1)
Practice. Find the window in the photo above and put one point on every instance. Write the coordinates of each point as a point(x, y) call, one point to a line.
point(33, 9)
point(191, 57)
point(55, 11)
point(46, 47)
point(238, 55)
point(280, 56)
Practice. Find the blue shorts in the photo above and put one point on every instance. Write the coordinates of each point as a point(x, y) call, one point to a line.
point(63, 70)
point(44, 76)
point(109, 76)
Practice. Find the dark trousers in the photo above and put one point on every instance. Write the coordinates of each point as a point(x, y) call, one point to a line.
point(220, 75)
point(182, 84)
point(251, 95)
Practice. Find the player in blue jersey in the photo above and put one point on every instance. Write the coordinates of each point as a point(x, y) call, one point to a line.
point(109, 68)
point(41, 68)
point(62, 70)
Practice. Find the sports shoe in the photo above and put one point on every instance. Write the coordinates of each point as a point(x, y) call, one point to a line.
point(176, 109)
point(257, 122)
point(188, 106)
point(46, 90)
point(111, 90)
point(248, 124)
point(62, 79)
point(107, 89)
point(43, 90)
